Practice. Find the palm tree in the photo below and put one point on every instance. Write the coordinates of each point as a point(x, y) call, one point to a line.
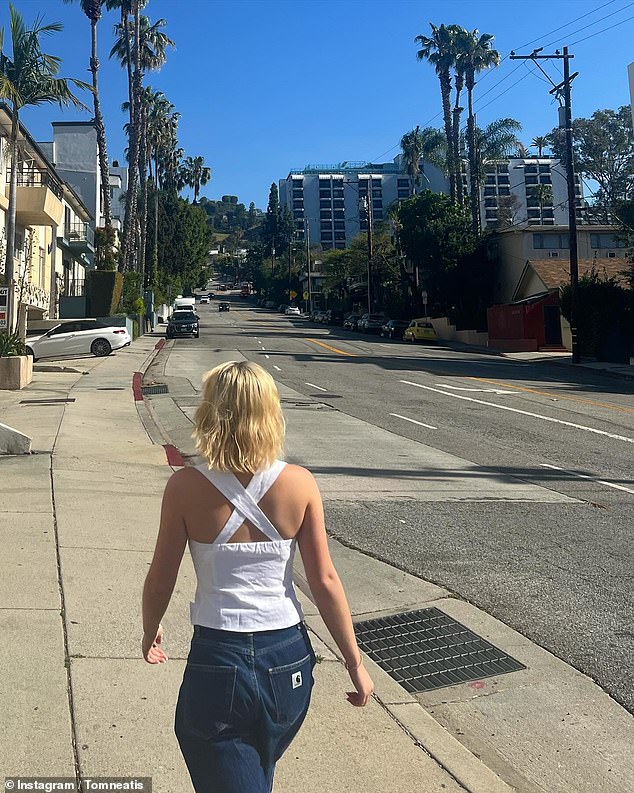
point(195, 174)
point(543, 193)
point(28, 78)
point(474, 54)
point(459, 81)
point(540, 142)
point(497, 141)
point(93, 9)
point(139, 51)
point(419, 146)
point(439, 50)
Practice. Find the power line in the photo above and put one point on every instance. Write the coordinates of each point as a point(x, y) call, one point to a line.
point(533, 41)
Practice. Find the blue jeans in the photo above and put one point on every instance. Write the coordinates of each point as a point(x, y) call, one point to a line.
point(243, 699)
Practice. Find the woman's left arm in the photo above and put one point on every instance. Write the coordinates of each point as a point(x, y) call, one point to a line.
point(161, 577)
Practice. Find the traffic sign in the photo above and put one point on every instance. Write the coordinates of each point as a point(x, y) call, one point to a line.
point(306, 295)
point(4, 299)
point(293, 293)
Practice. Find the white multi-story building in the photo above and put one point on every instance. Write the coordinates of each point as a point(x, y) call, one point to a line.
point(330, 197)
point(75, 155)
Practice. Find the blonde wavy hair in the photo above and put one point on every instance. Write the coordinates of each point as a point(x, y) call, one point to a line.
point(239, 424)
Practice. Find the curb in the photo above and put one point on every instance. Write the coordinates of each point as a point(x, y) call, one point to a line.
point(174, 457)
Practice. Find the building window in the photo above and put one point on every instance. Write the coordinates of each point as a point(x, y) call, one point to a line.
point(326, 235)
point(340, 214)
point(491, 214)
point(605, 241)
point(503, 179)
point(41, 269)
point(377, 214)
point(531, 180)
point(504, 190)
point(403, 193)
point(340, 245)
point(530, 169)
point(550, 241)
point(325, 214)
point(324, 203)
point(376, 183)
point(326, 246)
point(489, 191)
point(503, 168)
point(340, 225)
point(340, 235)
point(490, 179)
point(545, 179)
point(377, 194)
point(338, 193)
point(402, 183)
point(338, 203)
point(377, 203)
point(298, 213)
point(298, 204)
point(325, 224)
point(325, 194)
point(490, 202)
point(544, 168)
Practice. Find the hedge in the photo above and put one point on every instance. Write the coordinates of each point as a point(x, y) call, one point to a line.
point(103, 292)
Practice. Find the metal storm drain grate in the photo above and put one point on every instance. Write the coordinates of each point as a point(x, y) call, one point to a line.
point(53, 401)
point(427, 649)
point(148, 390)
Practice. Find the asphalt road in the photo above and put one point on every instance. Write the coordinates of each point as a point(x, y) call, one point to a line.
point(560, 573)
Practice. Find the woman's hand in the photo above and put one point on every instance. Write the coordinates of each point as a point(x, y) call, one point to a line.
point(152, 652)
point(362, 681)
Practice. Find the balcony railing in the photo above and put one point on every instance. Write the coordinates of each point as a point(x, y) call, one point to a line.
point(38, 179)
point(74, 288)
point(80, 232)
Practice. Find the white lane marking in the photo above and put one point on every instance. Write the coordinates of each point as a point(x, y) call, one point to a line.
point(267, 356)
point(429, 426)
point(318, 387)
point(477, 390)
point(277, 367)
point(523, 412)
point(591, 478)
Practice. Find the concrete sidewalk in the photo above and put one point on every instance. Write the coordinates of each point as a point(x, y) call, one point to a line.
point(78, 521)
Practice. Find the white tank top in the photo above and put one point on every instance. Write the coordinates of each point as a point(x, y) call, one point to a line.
point(245, 586)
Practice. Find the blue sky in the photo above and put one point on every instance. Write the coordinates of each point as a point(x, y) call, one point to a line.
point(264, 86)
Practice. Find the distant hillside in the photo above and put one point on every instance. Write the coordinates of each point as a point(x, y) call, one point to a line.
point(232, 223)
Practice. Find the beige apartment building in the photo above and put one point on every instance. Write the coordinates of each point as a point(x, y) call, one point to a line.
point(536, 259)
point(53, 241)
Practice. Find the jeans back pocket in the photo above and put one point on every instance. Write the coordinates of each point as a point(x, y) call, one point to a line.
point(205, 699)
point(292, 684)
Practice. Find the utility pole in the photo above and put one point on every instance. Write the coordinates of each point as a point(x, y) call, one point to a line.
point(310, 293)
point(290, 262)
point(565, 122)
point(366, 203)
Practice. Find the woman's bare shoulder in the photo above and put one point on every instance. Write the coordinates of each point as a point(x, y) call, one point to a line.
point(297, 475)
point(182, 481)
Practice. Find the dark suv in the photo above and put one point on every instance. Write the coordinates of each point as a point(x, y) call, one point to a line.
point(334, 316)
point(224, 306)
point(183, 323)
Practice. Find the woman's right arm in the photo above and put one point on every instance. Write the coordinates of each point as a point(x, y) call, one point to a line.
point(328, 592)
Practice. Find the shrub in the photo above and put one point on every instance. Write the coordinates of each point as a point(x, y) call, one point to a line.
point(103, 292)
point(11, 344)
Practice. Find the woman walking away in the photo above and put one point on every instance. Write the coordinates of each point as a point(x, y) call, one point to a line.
point(249, 673)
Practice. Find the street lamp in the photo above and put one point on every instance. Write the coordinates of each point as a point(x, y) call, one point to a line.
point(366, 205)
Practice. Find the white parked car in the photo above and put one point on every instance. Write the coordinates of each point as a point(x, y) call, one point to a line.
point(204, 300)
point(294, 310)
point(77, 337)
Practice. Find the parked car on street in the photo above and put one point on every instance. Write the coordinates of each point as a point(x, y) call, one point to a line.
point(182, 323)
point(269, 304)
point(293, 310)
point(282, 308)
point(394, 328)
point(224, 306)
point(319, 316)
point(77, 337)
point(334, 316)
point(371, 323)
point(211, 295)
point(350, 322)
point(420, 330)
point(204, 300)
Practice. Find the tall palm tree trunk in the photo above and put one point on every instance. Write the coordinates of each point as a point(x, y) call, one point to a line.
point(143, 201)
point(156, 222)
point(455, 142)
point(100, 130)
point(13, 197)
point(445, 90)
point(474, 181)
point(130, 219)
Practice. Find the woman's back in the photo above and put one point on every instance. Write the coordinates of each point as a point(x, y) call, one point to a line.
point(206, 511)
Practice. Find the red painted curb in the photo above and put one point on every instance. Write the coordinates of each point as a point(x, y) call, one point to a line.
point(159, 344)
point(174, 457)
point(137, 377)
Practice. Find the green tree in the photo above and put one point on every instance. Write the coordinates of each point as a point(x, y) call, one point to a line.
point(435, 233)
point(439, 50)
point(28, 77)
point(422, 145)
point(474, 54)
point(272, 221)
point(195, 174)
point(603, 150)
point(543, 193)
point(93, 10)
point(497, 141)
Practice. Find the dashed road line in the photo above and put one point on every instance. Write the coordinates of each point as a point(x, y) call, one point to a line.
point(591, 478)
point(524, 413)
point(318, 387)
point(277, 367)
point(413, 421)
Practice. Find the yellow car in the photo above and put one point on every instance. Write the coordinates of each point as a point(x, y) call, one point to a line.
point(420, 330)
